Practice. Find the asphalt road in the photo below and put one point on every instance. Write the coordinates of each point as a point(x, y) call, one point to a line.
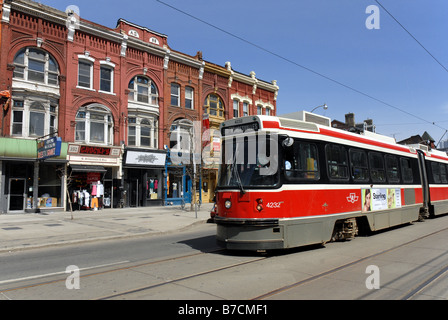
point(410, 262)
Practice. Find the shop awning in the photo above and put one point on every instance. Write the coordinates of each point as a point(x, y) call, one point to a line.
point(85, 168)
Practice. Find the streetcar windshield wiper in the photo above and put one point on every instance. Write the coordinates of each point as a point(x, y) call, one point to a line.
point(237, 174)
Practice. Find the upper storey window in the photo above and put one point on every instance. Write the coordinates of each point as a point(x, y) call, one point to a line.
point(36, 65)
point(143, 90)
point(213, 106)
point(94, 124)
point(85, 76)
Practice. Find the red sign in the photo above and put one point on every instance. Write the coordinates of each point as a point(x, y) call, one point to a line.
point(93, 177)
point(205, 121)
point(95, 150)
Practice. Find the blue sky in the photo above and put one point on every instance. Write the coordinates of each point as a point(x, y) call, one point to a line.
point(329, 37)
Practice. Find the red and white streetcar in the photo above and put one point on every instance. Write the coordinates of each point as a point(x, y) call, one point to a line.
point(286, 182)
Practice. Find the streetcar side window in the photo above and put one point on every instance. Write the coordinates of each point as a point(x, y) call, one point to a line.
point(359, 166)
point(301, 162)
point(443, 173)
point(377, 172)
point(406, 170)
point(438, 172)
point(392, 172)
point(435, 172)
point(337, 162)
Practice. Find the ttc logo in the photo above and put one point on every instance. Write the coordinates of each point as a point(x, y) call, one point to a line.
point(352, 198)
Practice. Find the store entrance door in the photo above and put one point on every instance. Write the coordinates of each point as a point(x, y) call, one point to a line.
point(133, 193)
point(108, 199)
point(17, 194)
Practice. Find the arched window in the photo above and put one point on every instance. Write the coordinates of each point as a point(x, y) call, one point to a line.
point(143, 112)
point(36, 65)
point(142, 130)
point(180, 137)
point(37, 119)
point(31, 118)
point(94, 124)
point(145, 132)
point(142, 89)
point(213, 106)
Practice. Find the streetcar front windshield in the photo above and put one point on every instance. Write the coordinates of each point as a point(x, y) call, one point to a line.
point(249, 161)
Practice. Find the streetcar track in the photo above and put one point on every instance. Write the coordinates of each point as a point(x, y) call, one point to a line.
point(101, 272)
point(132, 291)
point(347, 265)
point(282, 289)
point(418, 289)
point(425, 284)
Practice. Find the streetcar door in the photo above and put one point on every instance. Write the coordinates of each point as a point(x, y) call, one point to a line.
point(424, 179)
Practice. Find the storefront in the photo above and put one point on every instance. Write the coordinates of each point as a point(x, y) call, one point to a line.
point(143, 177)
point(178, 186)
point(211, 154)
point(180, 173)
point(23, 176)
point(94, 177)
point(209, 181)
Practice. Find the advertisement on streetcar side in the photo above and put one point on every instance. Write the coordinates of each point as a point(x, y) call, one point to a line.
point(380, 199)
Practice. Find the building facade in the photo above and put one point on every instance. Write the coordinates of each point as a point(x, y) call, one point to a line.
point(121, 101)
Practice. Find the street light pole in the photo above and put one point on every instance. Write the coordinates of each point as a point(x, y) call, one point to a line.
point(323, 106)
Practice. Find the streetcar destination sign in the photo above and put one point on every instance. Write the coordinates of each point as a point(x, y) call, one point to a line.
point(242, 128)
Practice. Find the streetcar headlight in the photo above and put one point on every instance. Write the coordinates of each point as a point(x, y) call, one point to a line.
point(259, 204)
point(228, 204)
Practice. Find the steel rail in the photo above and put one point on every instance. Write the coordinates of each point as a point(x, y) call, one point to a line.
point(347, 265)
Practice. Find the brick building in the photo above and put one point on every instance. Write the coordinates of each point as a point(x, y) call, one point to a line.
point(117, 98)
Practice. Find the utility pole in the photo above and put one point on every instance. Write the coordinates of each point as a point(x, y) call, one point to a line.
point(195, 144)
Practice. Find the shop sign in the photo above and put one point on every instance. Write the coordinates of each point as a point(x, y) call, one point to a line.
point(145, 158)
point(49, 148)
point(93, 150)
point(216, 144)
point(93, 177)
point(94, 160)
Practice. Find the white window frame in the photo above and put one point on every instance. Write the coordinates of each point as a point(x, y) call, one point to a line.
point(180, 133)
point(110, 66)
point(26, 110)
point(90, 61)
point(107, 122)
point(151, 96)
point(39, 109)
point(191, 98)
point(132, 123)
point(176, 95)
point(236, 108)
point(17, 123)
point(245, 108)
point(138, 124)
point(26, 68)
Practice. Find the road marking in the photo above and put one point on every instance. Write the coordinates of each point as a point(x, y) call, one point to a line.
point(60, 272)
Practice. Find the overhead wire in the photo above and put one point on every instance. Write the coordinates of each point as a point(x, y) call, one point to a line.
point(302, 66)
point(412, 36)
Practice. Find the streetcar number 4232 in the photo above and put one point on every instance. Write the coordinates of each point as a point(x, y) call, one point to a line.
point(274, 205)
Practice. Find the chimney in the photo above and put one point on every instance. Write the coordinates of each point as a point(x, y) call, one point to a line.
point(350, 119)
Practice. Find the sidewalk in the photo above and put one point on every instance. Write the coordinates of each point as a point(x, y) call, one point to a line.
point(33, 230)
